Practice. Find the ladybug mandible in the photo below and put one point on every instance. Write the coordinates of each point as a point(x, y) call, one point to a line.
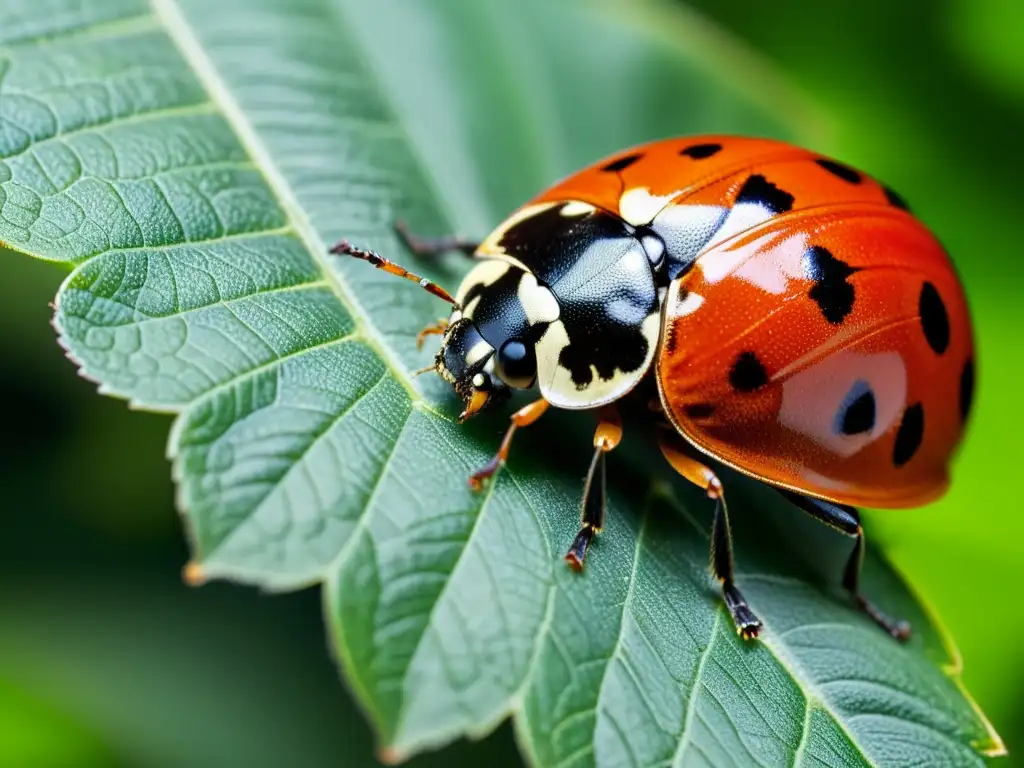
point(803, 327)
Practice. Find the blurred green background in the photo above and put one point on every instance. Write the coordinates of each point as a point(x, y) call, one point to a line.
point(927, 96)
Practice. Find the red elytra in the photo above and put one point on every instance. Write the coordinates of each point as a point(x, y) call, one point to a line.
point(906, 325)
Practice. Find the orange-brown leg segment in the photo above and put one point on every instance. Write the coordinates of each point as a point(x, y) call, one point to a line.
point(437, 329)
point(606, 437)
point(846, 520)
point(524, 417)
point(345, 248)
point(747, 624)
point(434, 246)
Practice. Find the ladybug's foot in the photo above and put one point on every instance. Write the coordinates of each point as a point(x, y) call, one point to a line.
point(606, 437)
point(477, 479)
point(578, 551)
point(748, 626)
point(898, 628)
point(524, 417)
point(847, 520)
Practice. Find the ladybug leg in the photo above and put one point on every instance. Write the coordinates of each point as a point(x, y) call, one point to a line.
point(434, 246)
point(747, 624)
point(524, 417)
point(435, 329)
point(846, 520)
point(606, 437)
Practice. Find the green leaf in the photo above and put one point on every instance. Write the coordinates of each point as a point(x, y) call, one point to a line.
point(191, 162)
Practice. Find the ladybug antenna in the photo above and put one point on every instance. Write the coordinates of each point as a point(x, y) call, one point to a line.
point(345, 248)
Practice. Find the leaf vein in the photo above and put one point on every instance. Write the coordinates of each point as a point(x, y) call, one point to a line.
point(805, 733)
point(206, 107)
point(316, 438)
point(184, 37)
point(95, 31)
point(695, 686)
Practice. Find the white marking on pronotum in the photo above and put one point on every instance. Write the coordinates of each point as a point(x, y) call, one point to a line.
point(470, 308)
point(638, 206)
point(577, 208)
point(538, 302)
point(484, 273)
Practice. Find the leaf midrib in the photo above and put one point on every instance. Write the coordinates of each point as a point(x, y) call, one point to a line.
point(317, 437)
point(188, 44)
point(180, 32)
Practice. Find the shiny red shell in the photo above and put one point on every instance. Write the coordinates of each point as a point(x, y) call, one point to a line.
point(825, 346)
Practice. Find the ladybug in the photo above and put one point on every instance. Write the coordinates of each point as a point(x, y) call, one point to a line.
point(802, 326)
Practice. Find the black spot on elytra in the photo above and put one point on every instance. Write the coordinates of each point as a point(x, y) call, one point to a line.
point(909, 435)
point(621, 164)
point(832, 290)
point(934, 318)
point(759, 191)
point(966, 389)
point(857, 412)
point(747, 373)
point(895, 199)
point(698, 410)
point(701, 151)
point(844, 172)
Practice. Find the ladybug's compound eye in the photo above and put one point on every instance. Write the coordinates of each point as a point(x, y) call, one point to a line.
point(516, 364)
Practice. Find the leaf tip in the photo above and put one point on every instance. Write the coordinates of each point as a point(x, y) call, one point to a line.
point(991, 747)
point(192, 574)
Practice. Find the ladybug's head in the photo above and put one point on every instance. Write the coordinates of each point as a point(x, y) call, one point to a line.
point(467, 362)
point(489, 348)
